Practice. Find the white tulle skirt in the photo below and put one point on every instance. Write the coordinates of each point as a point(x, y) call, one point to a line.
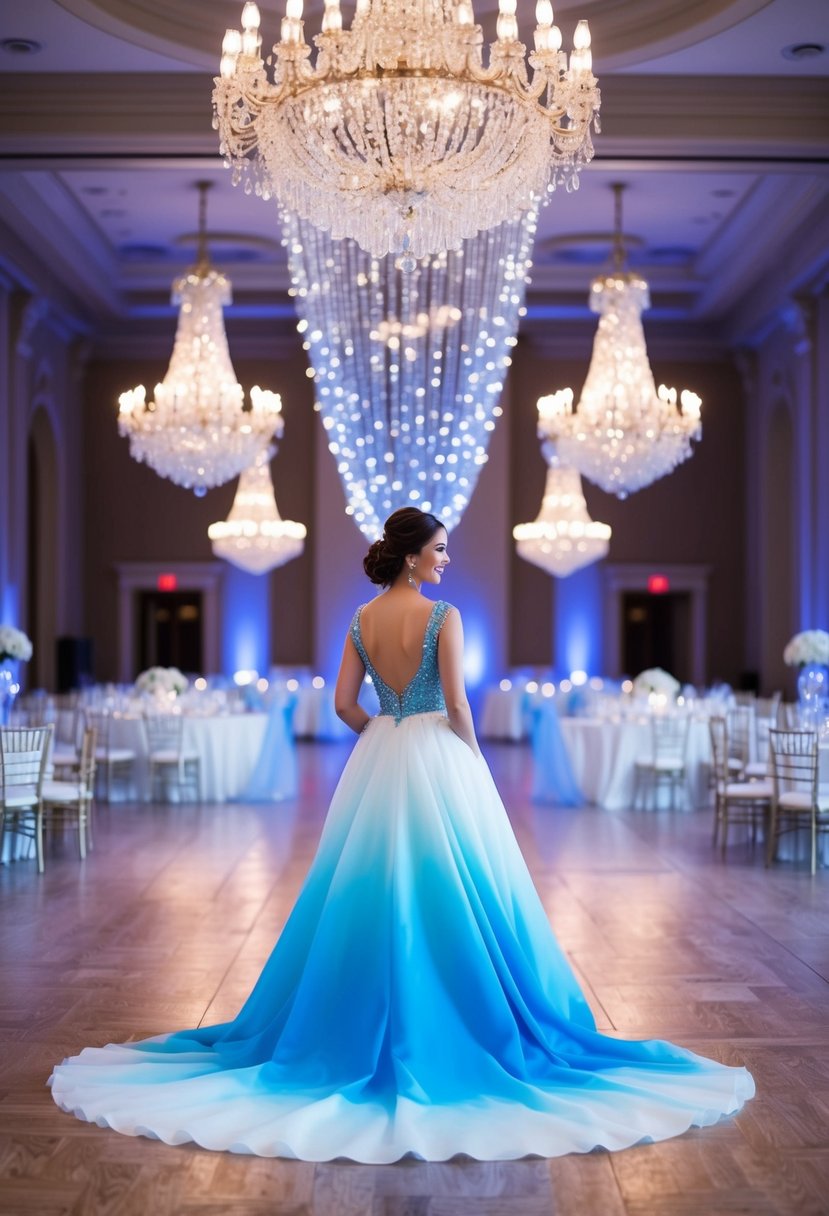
point(415, 1003)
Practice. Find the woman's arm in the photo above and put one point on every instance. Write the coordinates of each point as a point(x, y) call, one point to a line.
point(450, 666)
point(349, 682)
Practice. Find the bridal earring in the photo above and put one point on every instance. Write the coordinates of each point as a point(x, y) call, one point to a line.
point(410, 577)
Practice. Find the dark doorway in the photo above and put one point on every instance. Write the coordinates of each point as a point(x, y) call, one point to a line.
point(656, 632)
point(170, 630)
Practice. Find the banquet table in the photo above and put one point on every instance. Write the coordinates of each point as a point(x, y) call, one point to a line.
point(502, 716)
point(227, 745)
point(604, 751)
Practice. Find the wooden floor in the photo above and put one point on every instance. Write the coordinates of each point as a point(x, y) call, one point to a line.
point(168, 922)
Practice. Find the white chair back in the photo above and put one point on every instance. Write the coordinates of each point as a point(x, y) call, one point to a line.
point(794, 762)
point(23, 753)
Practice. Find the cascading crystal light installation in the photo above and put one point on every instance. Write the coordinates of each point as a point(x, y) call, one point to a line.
point(563, 538)
point(254, 537)
point(624, 433)
point(197, 431)
point(398, 135)
point(408, 367)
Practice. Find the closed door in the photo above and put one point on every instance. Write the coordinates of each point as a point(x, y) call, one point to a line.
point(170, 627)
point(656, 632)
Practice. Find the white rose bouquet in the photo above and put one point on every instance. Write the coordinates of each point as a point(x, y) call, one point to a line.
point(161, 681)
point(657, 681)
point(14, 644)
point(811, 646)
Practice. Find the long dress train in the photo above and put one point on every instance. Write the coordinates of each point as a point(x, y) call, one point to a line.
point(416, 1001)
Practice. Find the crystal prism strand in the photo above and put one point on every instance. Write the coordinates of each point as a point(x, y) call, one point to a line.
point(409, 368)
point(254, 537)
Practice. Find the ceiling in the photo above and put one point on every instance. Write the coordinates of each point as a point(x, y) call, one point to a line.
point(720, 138)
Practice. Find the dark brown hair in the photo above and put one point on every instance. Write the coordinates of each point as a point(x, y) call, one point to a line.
point(405, 531)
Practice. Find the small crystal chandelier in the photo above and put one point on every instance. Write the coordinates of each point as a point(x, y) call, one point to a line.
point(197, 430)
point(397, 134)
point(409, 368)
point(563, 538)
point(623, 434)
point(254, 537)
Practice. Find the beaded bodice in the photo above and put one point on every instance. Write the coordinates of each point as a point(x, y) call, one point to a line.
point(423, 693)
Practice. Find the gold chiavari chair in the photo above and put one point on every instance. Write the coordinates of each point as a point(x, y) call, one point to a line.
point(798, 800)
point(746, 802)
point(116, 763)
point(666, 763)
point(23, 757)
point(171, 766)
point(70, 802)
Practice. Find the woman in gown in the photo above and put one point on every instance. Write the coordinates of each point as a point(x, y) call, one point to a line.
point(416, 1001)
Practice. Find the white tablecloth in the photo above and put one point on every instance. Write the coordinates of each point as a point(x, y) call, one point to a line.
point(314, 716)
point(604, 752)
point(227, 745)
point(502, 716)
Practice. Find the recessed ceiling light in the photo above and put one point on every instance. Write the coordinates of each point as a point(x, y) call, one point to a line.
point(21, 46)
point(803, 50)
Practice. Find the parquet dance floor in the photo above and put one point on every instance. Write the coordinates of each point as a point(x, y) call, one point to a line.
point(169, 920)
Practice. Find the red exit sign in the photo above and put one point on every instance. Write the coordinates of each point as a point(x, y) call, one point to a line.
point(166, 582)
point(658, 584)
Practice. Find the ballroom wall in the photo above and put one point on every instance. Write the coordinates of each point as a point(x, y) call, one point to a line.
point(694, 516)
point(751, 504)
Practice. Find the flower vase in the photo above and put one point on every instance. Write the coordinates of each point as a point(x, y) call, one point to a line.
point(812, 692)
point(8, 691)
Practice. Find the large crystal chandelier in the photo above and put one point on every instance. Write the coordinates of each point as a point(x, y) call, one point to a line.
point(563, 538)
point(397, 134)
point(197, 430)
point(254, 537)
point(624, 433)
point(409, 368)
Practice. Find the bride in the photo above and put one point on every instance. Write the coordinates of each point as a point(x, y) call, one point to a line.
point(416, 1001)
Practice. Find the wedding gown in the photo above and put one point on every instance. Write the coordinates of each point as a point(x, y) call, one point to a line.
point(416, 1001)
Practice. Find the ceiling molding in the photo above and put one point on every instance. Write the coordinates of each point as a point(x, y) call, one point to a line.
point(625, 32)
point(162, 114)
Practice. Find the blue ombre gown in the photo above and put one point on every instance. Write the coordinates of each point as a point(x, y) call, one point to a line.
point(416, 1002)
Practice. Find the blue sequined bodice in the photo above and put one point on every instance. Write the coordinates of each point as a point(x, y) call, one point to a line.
point(423, 693)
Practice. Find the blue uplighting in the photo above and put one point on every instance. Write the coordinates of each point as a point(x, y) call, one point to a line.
point(578, 622)
point(245, 622)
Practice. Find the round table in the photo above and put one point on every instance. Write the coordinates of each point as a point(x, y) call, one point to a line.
point(604, 751)
point(227, 746)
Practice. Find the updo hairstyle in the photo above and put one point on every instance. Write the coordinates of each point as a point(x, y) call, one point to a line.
point(405, 531)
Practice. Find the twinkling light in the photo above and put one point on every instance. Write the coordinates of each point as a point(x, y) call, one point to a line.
point(409, 367)
point(397, 134)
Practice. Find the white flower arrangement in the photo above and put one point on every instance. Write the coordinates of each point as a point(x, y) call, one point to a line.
point(811, 646)
point(161, 681)
point(14, 644)
point(655, 680)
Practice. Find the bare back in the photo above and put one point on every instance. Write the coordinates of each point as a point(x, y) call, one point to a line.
point(392, 628)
